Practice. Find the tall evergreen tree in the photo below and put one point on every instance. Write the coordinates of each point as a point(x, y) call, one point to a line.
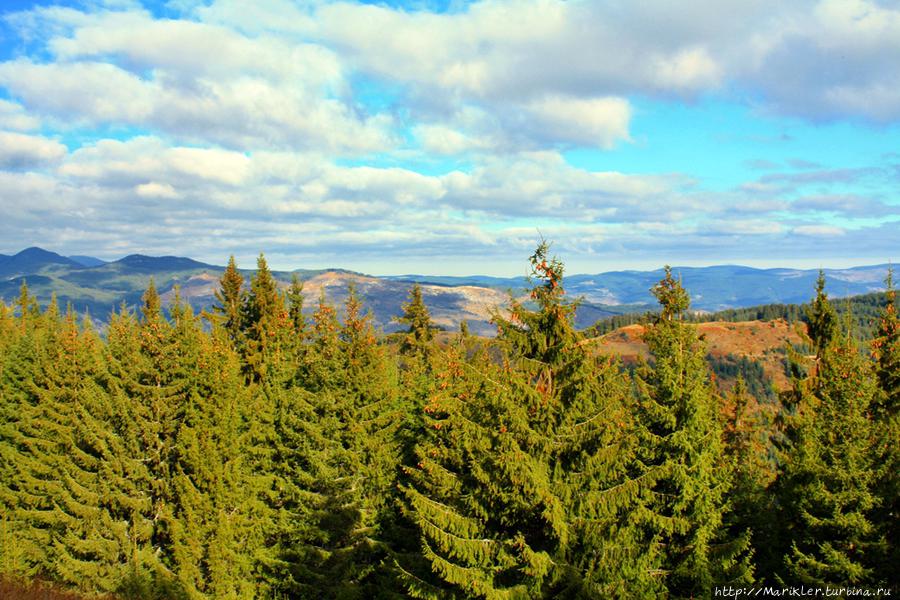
point(886, 416)
point(230, 298)
point(295, 303)
point(67, 460)
point(28, 362)
point(682, 447)
point(153, 373)
point(420, 330)
point(746, 452)
point(211, 521)
point(350, 456)
point(828, 479)
point(263, 314)
point(524, 487)
point(822, 320)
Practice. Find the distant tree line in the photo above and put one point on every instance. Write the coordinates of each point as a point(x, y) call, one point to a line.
point(254, 453)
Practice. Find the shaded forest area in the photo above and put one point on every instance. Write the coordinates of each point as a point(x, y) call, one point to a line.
point(253, 453)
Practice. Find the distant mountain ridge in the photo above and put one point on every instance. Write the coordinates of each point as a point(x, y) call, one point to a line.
point(87, 261)
point(153, 264)
point(99, 287)
point(31, 260)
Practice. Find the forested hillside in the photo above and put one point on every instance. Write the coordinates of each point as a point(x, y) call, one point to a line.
point(254, 452)
point(863, 310)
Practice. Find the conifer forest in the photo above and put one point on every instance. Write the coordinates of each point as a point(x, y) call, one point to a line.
point(260, 452)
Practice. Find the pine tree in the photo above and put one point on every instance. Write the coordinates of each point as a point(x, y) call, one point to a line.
point(682, 446)
point(230, 298)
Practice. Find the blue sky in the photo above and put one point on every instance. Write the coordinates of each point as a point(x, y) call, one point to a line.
point(445, 137)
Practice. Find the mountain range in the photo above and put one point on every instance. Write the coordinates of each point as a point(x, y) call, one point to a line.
point(98, 287)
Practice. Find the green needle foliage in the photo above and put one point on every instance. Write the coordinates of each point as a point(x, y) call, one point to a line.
point(681, 448)
point(264, 454)
point(524, 482)
point(826, 486)
point(230, 299)
point(886, 416)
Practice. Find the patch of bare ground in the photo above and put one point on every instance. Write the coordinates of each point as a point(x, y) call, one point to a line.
point(18, 589)
point(760, 341)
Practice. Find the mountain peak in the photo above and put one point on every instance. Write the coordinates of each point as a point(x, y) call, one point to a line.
point(31, 260)
point(36, 252)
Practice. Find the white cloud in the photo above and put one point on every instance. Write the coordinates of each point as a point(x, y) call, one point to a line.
point(135, 161)
point(440, 139)
point(153, 189)
point(456, 124)
point(18, 150)
point(819, 230)
point(195, 82)
point(598, 122)
point(14, 116)
point(746, 227)
point(543, 184)
point(94, 92)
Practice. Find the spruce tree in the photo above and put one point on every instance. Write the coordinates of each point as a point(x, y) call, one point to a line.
point(350, 456)
point(746, 455)
point(230, 298)
point(67, 457)
point(886, 352)
point(525, 485)
point(211, 521)
point(262, 312)
point(886, 417)
point(94, 547)
point(821, 318)
point(26, 549)
point(682, 448)
point(275, 336)
point(153, 374)
point(295, 303)
point(420, 330)
point(416, 361)
point(828, 479)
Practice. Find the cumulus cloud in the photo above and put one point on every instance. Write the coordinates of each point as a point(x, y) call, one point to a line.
point(542, 183)
point(195, 82)
point(304, 127)
point(592, 122)
point(18, 151)
point(14, 116)
point(153, 189)
point(858, 41)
